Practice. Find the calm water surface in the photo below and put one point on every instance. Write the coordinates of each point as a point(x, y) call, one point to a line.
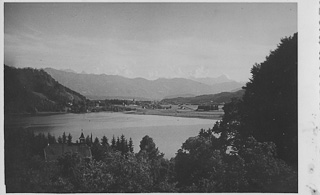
point(167, 132)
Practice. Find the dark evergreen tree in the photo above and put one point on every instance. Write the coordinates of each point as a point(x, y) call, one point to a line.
point(39, 142)
point(69, 139)
point(104, 141)
point(98, 151)
point(130, 145)
point(51, 139)
point(118, 144)
point(60, 140)
point(113, 142)
point(123, 144)
point(88, 140)
point(126, 148)
point(96, 141)
point(64, 138)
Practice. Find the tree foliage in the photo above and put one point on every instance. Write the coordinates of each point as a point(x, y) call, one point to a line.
point(269, 107)
point(202, 165)
point(104, 141)
point(148, 147)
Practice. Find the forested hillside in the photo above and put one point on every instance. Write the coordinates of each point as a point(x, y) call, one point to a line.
point(30, 90)
point(218, 98)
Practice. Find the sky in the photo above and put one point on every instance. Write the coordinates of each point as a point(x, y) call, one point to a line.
point(148, 40)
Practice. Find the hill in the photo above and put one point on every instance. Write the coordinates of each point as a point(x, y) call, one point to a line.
point(103, 86)
point(206, 99)
point(30, 90)
point(212, 80)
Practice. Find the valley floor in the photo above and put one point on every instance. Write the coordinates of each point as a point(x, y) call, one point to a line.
point(217, 115)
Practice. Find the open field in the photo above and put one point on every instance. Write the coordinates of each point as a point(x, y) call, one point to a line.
point(217, 115)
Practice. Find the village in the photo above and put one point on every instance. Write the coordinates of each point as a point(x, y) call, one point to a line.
point(132, 106)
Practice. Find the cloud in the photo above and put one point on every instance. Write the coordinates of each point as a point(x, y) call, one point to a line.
point(181, 57)
point(123, 70)
point(154, 74)
point(200, 72)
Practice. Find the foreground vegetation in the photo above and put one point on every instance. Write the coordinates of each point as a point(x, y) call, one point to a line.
point(252, 149)
point(201, 165)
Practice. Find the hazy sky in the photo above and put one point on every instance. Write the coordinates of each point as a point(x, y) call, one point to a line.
point(148, 40)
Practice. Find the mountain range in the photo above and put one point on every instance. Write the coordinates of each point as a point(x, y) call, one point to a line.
point(212, 80)
point(103, 86)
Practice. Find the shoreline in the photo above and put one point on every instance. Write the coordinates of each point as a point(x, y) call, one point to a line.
point(171, 113)
point(34, 114)
point(201, 115)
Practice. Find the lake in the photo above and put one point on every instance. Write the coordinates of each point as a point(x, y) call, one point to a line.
point(167, 132)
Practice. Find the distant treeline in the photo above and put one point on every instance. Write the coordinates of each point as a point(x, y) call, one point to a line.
point(218, 98)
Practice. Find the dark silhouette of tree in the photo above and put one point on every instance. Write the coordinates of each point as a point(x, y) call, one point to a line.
point(51, 139)
point(104, 141)
point(38, 143)
point(160, 167)
point(118, 144)
point(98, 151)
point(69, 139)
point(113, 142)
point(60, 141)
point(130, 145)
point(96, 141)
point(269, 107)
point(88, 140)
point(123, 144)
point(64, 138)
point(149, 147)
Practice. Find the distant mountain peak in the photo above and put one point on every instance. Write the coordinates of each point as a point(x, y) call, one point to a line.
point(68, 70)
point(213, 80)
point(223, 76)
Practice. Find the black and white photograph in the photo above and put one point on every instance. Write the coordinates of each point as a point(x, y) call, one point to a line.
point(156, 97)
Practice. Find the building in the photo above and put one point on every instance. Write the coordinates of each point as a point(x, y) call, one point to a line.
point(165, 107)
point(54, 151)
point(220, 107)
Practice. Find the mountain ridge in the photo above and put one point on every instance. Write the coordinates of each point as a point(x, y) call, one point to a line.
point(103, 85)
point(212, 80)
point(207, 99)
